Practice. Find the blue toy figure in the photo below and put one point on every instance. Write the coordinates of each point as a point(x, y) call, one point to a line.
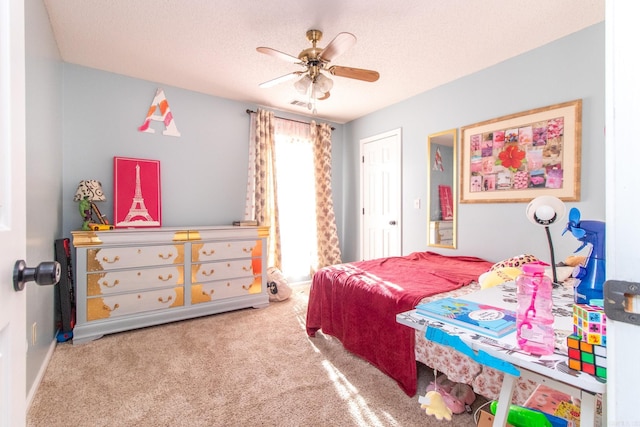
point(592, 275)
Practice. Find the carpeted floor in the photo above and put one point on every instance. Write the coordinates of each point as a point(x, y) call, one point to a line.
point(247, 367)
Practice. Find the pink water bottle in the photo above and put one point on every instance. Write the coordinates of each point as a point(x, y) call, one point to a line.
point(534, 318)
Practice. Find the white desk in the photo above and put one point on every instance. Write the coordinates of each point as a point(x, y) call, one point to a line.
point(505, 355)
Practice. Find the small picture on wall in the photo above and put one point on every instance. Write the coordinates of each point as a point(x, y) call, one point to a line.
point(136, 185)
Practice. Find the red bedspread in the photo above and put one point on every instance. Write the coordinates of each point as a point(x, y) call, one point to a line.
point(358, 302)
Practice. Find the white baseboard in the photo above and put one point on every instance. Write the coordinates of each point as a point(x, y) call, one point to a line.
point(43, 369)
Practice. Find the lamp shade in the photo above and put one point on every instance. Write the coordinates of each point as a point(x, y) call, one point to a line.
point(303, 84)
point(323, 83)
point(91, 190)
point(545, 210)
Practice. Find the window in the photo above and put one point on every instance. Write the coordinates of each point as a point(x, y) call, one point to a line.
point(296, 198)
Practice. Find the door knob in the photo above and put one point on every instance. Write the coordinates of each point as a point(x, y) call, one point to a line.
point(392, 223)
point(46, 273)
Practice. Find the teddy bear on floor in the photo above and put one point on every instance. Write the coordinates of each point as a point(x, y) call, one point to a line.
point(456, 396)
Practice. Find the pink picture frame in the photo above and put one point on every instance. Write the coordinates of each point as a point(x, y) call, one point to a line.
point(137, 198)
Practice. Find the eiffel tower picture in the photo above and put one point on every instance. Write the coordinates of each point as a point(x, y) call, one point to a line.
point(138, 214)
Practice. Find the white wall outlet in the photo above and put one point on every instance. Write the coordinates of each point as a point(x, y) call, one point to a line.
point(416, 203)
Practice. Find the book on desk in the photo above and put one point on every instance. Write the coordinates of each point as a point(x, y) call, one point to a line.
point(482, 318)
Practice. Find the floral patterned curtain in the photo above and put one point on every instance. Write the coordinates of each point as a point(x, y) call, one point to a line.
point(266, 206)
point(328, 243)
point(262, 189)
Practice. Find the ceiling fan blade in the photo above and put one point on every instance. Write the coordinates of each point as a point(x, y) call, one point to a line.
point(354, 73)
point(280, 79)
point(277, 54)
point(340, 44)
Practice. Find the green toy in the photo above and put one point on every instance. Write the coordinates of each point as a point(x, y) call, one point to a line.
point(85, 211)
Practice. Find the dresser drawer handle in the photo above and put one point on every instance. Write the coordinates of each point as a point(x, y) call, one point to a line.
point(247, 251)
point(107, 308)
point(246, 288)
point(209, 253)
point(208, 293)
point(167, 256)
point(115, 259)
point(209, 273)
point(169, 298)
point(169, 277)
point(107, 285)
point(245, 268)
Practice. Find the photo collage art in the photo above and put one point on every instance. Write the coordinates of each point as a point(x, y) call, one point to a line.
point(525, 157)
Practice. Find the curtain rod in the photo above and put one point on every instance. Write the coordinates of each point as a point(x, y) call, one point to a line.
point(283, 118)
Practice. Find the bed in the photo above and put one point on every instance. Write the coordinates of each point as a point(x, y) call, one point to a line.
point(357, 303)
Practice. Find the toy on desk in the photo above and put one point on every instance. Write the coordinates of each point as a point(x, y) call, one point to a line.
point(586, 357)
point(591, 276)
point(590, 324)
point(519, 416)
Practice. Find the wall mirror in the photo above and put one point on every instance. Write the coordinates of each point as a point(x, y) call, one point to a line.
point(442, 185)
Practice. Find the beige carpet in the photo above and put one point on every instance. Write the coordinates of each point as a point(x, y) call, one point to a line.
point(248, 367)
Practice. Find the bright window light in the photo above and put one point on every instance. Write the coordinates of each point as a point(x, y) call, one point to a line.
point(296, 205)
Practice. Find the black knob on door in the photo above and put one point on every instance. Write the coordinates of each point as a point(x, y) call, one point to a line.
point(46, 273)
point(392, 223)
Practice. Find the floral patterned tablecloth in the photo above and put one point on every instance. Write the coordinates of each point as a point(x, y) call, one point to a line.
point(486, 381)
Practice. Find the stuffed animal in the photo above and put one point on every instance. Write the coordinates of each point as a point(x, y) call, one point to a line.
point(456, 396)
point(433, 404)
point(575, 261)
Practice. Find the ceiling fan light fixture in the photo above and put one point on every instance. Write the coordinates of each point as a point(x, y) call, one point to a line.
point(303, 84)
point(323, 83)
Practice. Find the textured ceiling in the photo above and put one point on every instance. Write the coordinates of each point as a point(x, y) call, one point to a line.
point(209, 46)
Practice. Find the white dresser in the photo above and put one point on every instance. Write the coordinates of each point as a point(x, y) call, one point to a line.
point(132, 278)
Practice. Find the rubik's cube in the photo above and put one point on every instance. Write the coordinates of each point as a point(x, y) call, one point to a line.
point(590, 323)
point(587, 357)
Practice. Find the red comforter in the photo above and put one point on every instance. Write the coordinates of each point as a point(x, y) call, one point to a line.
point(358, 302)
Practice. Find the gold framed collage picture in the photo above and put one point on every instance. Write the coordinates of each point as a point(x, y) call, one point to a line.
point(518, 157)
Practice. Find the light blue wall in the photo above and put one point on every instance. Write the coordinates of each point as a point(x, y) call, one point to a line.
point(203, 172)
point(567, 69)
point(44, 175)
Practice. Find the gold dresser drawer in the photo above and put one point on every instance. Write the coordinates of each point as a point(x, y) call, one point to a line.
point(119, 281)
point(211, 251)
point(100, 259)
point(139, 302)
point(214, 291)
point(221, 270)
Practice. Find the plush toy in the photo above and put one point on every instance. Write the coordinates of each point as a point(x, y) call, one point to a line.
point(574, 261)
point(433, 404)
point(456, 396)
